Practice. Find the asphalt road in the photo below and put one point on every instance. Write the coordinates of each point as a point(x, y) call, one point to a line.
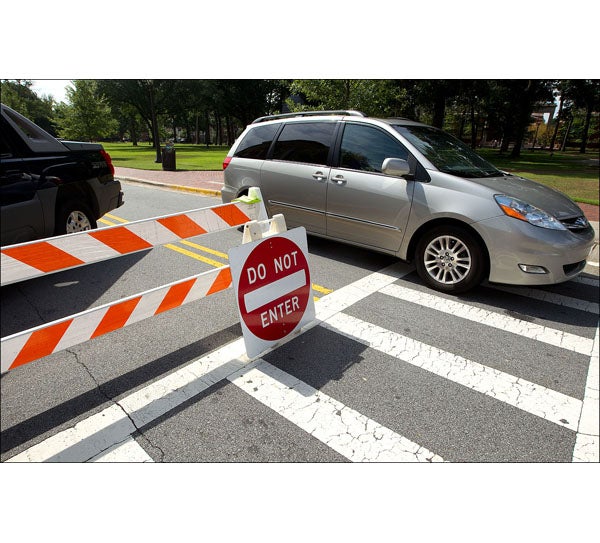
point(391, 371)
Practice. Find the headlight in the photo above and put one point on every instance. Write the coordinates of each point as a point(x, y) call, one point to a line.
point(513, 207)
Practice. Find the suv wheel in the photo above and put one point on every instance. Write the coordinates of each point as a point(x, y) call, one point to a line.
point(74, 216)
point(450, 259)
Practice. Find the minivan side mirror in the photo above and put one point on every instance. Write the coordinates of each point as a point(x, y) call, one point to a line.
point(395, 166)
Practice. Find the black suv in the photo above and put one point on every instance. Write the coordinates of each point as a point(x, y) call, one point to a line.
point(50, 187)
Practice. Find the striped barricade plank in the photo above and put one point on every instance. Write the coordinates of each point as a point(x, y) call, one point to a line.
point(32, 259)
point(27, 346)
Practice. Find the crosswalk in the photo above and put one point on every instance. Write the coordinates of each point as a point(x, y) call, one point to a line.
point(107, 436)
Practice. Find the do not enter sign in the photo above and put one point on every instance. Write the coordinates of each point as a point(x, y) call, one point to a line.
point(272, 283)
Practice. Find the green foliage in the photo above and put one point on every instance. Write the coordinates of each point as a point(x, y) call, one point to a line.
point(216, 110)
point(87, 116)
point(19, 96)
point(373, 97)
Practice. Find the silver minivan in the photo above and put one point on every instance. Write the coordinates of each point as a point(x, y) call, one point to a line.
point(413, 191)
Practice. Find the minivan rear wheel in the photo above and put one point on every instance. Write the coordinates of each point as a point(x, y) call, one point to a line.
point(450, 259)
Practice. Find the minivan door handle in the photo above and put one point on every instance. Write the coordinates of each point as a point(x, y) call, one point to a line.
point(320, 176)
point(339, 179)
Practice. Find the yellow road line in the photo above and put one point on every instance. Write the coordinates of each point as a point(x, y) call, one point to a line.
point(115, 218)
point(204, 259)
point(321, 289)
point(205, 249)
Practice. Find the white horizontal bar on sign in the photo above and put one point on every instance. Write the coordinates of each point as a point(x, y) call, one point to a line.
point(33, 259)
point(268, 293)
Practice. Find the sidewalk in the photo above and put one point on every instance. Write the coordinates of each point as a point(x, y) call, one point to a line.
point(210, 183)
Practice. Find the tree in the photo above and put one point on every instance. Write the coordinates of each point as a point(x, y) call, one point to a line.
point(585, 94)
point(371, 96)
point(513, 101)
point(431, 96)
point(19, 96)
point(150, 97)
point(86, 116)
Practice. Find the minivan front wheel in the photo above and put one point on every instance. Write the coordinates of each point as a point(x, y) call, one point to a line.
point(450, 259)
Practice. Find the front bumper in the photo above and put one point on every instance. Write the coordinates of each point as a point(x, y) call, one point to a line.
point(561, 254)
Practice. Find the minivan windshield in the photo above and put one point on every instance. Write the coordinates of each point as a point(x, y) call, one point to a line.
point(447, 153)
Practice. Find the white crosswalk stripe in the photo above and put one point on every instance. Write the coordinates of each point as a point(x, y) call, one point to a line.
point(520, 327)
point(346, 431)
point(585, 280)
point(534, 399)
point(106, 436)
point(551, 297)
point(587, 444)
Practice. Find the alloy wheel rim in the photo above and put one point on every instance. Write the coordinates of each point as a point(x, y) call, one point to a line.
point(77, 221)
point(447, 260)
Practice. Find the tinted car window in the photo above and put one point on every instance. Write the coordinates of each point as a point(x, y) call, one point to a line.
point(447, 153)
point(256, 142)
point(304, 142)
point(6, 149)
point(365, 148)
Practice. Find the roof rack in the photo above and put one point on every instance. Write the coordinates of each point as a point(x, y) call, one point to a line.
point(309, 114)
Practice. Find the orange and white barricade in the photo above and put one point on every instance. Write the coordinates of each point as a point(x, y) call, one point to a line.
point(28, 260)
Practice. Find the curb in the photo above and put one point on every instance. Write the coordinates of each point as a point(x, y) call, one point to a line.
point(182, 188)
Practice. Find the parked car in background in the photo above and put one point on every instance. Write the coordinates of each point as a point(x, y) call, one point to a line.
point(413, 191)
point(50, 187)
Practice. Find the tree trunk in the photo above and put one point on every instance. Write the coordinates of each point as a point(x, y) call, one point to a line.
point(558, 119)
point(462, 126)
point(133, 131)
point(516, 152)
point(473, 128)
point(439, 111)
point(219, 129)
point(155, 137)
point(507, 132)
point(565, 139)
point(230, 132)
point(586, 129)
point(207, 133)
point(347, 94)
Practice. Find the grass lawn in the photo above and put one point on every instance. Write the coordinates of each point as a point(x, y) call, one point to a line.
point(572, 173)
point(187, 157)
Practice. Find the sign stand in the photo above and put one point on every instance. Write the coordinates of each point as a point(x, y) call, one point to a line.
point(272, 284)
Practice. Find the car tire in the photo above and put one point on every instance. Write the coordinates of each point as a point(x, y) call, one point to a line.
point(74, 216)
point(450, 259)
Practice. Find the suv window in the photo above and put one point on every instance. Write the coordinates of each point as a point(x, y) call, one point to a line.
point(305, 142)
point(256, 142)
point(6, 149)
point(37, 139)
point(365, 148)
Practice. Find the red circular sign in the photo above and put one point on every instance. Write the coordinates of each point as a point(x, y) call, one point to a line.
point(274, 288)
